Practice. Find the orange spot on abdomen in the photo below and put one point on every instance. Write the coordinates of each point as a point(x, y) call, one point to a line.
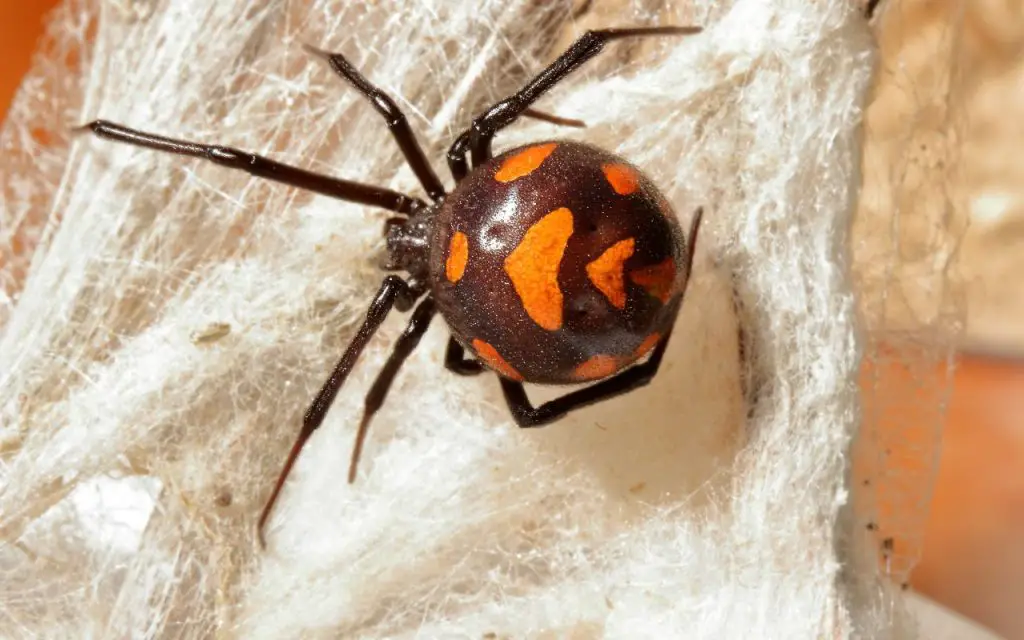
point(657, 280)
point(458, 256)
point(606, 272)
point(524, 163)
point(494, 360)
point(622, 178)
point(645, 346)
point(596, 368)
point(533, 267)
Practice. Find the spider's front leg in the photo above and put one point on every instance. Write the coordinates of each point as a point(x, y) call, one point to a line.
point(259, 166)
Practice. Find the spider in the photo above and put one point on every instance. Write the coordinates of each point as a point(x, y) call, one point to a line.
point(554, 263)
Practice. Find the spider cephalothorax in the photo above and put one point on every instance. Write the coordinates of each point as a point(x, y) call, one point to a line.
point(553, 263)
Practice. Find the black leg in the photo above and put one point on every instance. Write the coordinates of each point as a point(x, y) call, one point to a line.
point(456, 362)
point(526, 415)
point(261, 167)
point(394, 292)
point(553, 119)
point(410, 338)
point(869, 10)
point(477, 139)
point(691, 241)
point(396, 120)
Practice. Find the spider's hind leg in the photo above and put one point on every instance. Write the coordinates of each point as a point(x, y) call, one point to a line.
point(374, 400)
point(526, 415)
point(393, 292)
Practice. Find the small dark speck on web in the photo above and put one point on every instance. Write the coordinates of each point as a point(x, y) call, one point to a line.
point(210, 333)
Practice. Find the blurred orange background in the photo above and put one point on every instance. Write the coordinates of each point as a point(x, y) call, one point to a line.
point(973, 559)
point(21, 24)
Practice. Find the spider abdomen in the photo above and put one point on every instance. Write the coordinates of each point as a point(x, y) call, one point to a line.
point(557, 263)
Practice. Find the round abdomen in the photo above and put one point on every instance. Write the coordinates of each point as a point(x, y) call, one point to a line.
point(557, 263)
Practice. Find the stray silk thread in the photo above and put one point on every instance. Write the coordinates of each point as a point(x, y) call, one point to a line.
point(142, 456)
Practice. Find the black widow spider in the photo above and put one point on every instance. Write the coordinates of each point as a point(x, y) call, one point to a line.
point(510, 289)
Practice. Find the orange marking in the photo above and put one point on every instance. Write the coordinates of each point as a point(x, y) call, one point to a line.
point(657, 280)
point(524, 163)
point(533, 267)
point(606, 272)
point(648, 344)
point(458, 256)
point(596, 368)
point(622, 178)
point(494, 360)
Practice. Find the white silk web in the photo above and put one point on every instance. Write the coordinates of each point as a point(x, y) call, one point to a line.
point(165, 322)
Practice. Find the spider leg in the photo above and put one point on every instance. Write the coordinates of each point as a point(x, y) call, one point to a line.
point(477, 139)
point(526, 415)
point(408, 341)
point(396, 120)
point(455, 360)
point(553, 119)
point(393, 292)
point(691, 241)
point(260, 167)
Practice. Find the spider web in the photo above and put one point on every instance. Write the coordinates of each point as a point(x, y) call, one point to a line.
point(910, 225)
point(165, 322)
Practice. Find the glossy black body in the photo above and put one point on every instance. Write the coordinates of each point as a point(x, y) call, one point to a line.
point(495, 216)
